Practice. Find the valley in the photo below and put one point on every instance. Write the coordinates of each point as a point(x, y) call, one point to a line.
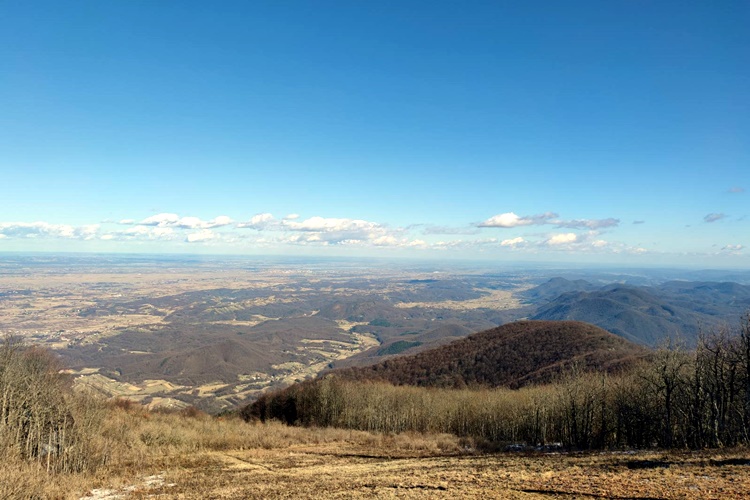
point(216, 332)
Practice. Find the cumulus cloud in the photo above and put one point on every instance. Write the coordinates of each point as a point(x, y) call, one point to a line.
point(292, 216)
point(330, 224)
point(714, 217)
point(340, 231)
point(203, 235)
point(385, 240)
point(259, 221)
point(510, 219)
point(222, 220)
point(127, 222)
point(562, 239)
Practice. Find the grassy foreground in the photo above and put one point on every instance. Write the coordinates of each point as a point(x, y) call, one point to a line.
point(55, 443)
point(192, 455)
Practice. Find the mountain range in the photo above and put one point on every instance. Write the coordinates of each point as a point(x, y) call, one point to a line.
point(644, 314)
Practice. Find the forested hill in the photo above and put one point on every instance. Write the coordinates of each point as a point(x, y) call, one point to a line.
point(644, 314)
point(512, 355)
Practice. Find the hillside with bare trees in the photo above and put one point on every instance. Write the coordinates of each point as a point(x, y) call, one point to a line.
point(512, 355)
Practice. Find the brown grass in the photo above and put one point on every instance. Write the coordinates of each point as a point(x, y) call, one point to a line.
point(192, 455)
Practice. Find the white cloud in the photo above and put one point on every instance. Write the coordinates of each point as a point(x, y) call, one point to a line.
point(317, 231)
point(507, 220)
point(222, 220)
point(330, 224)
point(197, 223)
point(88, 232)
point(385, 240)
point(203, 235)
point(334, 230)
point(513, 242)
point(141, 232)
point(44, 229)
point(736, 190)
point(189, 223)
point(510, 219)
point(562, 239)
point(174, 220)
point(732, 249)
point(163, 219)
point(259, 221)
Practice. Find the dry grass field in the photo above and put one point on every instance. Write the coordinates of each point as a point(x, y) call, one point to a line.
point(338, 464)
point(493, 299)
point(135, 453)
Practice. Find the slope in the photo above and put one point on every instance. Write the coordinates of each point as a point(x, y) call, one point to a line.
point(647, 315)
point(512, 355)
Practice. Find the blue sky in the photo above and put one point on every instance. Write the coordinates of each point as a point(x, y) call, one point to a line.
point(581, 131)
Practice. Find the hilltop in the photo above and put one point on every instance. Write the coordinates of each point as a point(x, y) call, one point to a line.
point(512, 355)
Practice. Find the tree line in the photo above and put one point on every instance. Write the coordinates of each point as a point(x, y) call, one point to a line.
point(676, 398)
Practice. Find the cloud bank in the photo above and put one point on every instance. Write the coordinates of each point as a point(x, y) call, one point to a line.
point(263, 230)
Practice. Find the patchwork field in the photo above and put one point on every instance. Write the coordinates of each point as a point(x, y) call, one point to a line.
point(216, 333)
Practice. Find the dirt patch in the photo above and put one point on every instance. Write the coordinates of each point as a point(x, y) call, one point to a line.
point(340, 470)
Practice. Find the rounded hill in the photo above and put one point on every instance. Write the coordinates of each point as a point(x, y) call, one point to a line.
point(511, 355)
